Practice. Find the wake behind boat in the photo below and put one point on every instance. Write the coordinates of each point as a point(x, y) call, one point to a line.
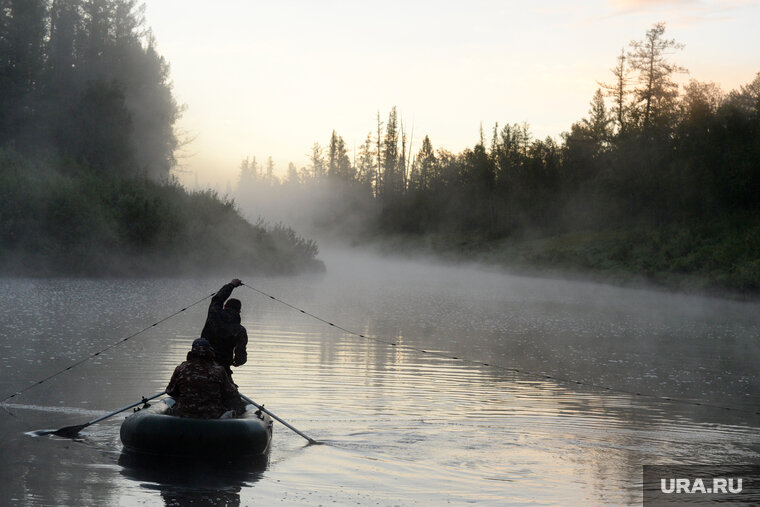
point(152, 430)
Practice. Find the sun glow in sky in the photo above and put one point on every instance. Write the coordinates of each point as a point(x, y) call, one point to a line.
point(272, 78)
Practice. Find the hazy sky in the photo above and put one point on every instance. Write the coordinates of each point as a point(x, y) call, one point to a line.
point(272, 78)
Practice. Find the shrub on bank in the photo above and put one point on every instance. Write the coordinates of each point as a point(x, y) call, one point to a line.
point(77, 222)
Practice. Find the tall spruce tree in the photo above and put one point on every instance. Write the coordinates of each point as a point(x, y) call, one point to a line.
point(391, 183)
point(618, 91)
point(338, 163)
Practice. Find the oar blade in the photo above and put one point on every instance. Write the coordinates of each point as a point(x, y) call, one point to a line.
point(68, 431)
point(73, 431)
point(285, 423)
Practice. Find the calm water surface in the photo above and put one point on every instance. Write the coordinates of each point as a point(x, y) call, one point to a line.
point(536, 425)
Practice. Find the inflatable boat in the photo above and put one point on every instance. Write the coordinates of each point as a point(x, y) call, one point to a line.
point(154, 431)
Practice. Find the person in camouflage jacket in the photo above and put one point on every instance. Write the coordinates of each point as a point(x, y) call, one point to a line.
point(223, 330)
point(201, 387)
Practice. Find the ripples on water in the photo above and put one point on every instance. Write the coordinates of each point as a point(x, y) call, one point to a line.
point(401, 427)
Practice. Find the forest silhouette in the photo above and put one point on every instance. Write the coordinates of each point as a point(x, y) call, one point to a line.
point(659, 181)
point(87, 143)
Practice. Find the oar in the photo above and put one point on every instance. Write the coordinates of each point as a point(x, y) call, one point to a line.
point(311, 440)
point(72, 431)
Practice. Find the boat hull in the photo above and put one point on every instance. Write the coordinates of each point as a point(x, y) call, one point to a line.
point(153, 431)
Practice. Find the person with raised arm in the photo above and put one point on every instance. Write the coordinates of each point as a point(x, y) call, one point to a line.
point(223, 329)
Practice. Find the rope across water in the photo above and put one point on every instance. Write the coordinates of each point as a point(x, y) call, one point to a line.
point(109, 347)
point(527, 373)
point(392, 344)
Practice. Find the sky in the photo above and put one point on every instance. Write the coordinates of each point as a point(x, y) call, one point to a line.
point(270, 79)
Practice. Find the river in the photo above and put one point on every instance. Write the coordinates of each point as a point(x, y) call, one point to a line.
point(469, 386)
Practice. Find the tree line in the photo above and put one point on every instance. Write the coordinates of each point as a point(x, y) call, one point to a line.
point(649, 152)
point(81, 80)
point(658, 181)
point(91, 224)
point(87, 142)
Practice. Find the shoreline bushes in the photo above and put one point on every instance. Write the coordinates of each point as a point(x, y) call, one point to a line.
point(82, 223)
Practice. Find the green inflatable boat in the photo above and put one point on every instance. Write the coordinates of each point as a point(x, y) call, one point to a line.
point(151, 430)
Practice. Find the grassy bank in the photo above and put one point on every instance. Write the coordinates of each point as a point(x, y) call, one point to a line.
point(716, 257)
point(65, 220)
point(721, 256)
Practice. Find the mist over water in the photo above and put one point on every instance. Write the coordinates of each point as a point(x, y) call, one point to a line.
point(401, 426)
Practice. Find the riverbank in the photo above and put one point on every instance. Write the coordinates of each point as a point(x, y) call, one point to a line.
point(59, 219)
point(720, 257)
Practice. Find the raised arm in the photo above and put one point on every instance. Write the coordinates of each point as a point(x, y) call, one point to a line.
point(222, 295)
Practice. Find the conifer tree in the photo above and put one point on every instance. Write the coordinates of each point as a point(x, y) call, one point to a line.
point(318, 166)
point(618, 91)
point(656, 92)
point(390, 174)
point(365, 166)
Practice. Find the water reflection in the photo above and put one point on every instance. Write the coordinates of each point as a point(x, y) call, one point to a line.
point(201, 482)
point(404, 427)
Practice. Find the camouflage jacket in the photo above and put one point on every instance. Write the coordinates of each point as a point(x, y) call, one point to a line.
point(224, 332)
point(202, 388)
